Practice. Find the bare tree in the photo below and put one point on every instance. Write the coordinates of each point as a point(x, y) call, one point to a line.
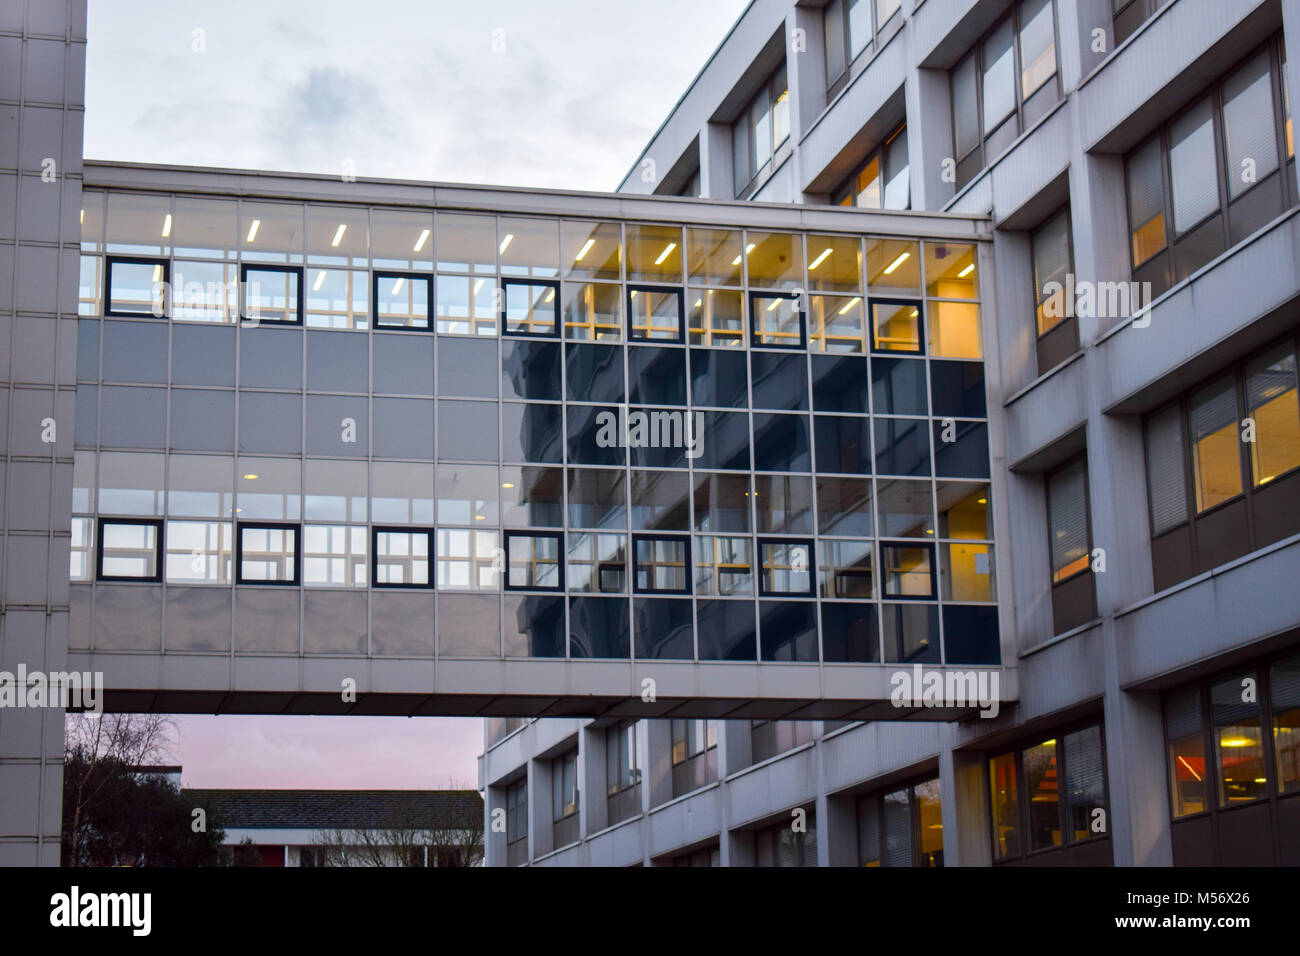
point(93, 743)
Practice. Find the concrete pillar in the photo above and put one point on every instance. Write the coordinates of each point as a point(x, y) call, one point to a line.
point(716, 176)
point(1135, 776)
point(593, 810)
point(966, 836)
point(1291, 41)
point(928, 99)
point(40, 123)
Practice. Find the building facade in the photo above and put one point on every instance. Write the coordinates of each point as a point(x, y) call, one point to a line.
point(1136, 161)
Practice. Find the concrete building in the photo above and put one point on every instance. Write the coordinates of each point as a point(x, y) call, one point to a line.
point(1152, 545)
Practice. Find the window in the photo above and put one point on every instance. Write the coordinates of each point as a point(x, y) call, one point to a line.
point(403, 300)
point(851, 28)
point(760, 135)
point(137, 287)
point(655, 314)
point(767, 738)
point(197, 552)
point(792, 842)
point(1058, 326)
point(401, 557)
point(1068, 521)
point(1226, 450)
point(896, 326)
point(530, 308)
point(267, 554)
point(785, 567)
point(1050, 795)
point(129, 550)
point(334, 556)
point(1232, 745)
point(271, 294)
point(662, 564)
point(622, 773)
point(883, 180)
point(903, 827)
point(468, 559)
point(517, 823)
point(1131, 14)
point(1213, 175)
point(776, 320)
point(1003, 85)
point(564, 786)
point(597, 562)
point(694, 754)
point(907, 570)
point(533, 561)
point(722, 565)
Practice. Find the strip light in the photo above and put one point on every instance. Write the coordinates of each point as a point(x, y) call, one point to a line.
point(338, 234)
point(820, 259)
point(252, 230)
point(419, 243)
point(586, 248)
point(889, 269)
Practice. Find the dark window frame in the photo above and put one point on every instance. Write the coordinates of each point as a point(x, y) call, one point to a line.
point(677, 290)
point(1167, 277)
point(1017, 750)
point(553, 285)
point(687, 572)
point(160, 549)
point(429, 533)
point(240, 527)
point(914, 818)
point(1135, 13)
point(1017, 115)
point(163, 261)
point(507, 535)
point(296, 271)
point(874, 43)
point(931, 546)
point(758, 569)
point(797, 298)
point(780, 150)
point(921, 327)
point(378, 274)
point(559, 814)
point(1237, 370)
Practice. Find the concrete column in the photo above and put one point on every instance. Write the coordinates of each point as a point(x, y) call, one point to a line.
point(593, 810)
point(717, 181)
point(928, 99)
point(966, 836)
point(1135, 775)
point(40, 126)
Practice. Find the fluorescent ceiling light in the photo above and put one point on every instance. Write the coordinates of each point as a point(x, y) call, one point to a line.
point(748, 249)
point(775, 303)
point(419, 243)
point(157, 273)
point(507, 484)
point(967, 271)
point(550, 295)
point(914, 314)
point(850, 304)
point(505, 243)
point(320, 280)
point(632, 294)
point(668, 251)
point(167, 226)
point(398, 283)
point(252, 230)
point(889, 269)
point(83, 217)
point(251, 477)
point(478, 285)
point(586, 248)
point(698, 303)
point(338, 234)
point(820, 259)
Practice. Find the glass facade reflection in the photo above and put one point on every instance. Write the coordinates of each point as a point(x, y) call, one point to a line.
point(575, 438)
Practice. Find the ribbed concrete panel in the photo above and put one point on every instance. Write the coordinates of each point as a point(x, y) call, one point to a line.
point(41, 98)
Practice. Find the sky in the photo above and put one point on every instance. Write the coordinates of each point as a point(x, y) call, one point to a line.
point(557, 94)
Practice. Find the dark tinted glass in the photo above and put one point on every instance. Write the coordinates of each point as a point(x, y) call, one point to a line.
point(719, 378)
point(660, 500)
point(530, 369)
point(781, 443)
point(965, 457)
point(663, 629)
point(898, 386)
point(788, 630)
point(531, 432)
point(534, 626)
point(780, 380)
point(971, 634)
point(902, 446)
point(595, 373)
point(596, 499)
point(598, 627)
point(724, 441)
point(910, 633)
point(726, 631)
point(839, 383)
point(957, 389)
point(722, 503)
point(592, 431)
point(843, 444)
point(849, 632)
point(656, 376)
